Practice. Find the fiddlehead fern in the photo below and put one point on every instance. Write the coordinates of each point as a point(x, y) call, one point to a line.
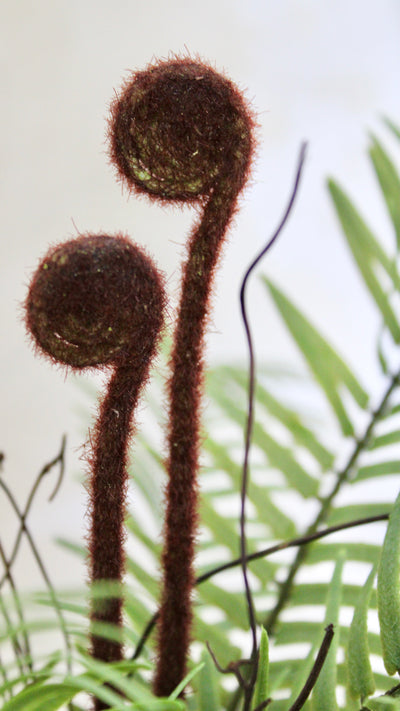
point(181, 132)
point(98, 301)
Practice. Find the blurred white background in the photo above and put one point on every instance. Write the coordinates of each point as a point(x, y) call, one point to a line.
point(321, 71)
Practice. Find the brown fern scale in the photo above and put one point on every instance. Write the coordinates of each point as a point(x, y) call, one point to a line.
point(97, 301)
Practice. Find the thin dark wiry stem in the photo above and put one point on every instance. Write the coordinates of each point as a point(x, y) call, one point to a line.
point(343, 475)
point(263, 705)
point(315, 671)
point(145, 635)
point(17, 649)
point(249, 688)
point(8, 562)
point(232, 668)
point(4, 676)
point(264, 553)
point(25, 651)
point(293, 543)
point(59, 459)
point(394, 691)
point(43, 571)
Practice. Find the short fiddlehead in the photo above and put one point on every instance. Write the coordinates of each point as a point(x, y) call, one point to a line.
point(93, 302)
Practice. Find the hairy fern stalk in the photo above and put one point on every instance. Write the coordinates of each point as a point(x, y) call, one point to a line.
point(307, 582)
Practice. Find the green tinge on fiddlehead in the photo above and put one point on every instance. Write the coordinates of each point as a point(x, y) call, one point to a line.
point(92, 301)
point(177, 129)
point(98, 301)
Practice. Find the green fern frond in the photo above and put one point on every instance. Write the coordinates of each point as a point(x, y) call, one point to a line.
point(302, 481)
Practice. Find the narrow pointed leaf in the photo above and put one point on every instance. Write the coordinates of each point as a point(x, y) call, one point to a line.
point(136, 529)
point(367, 253)
point(327, 366)
point(307, 632)
point(324, 692)
point(389, 181)
point(178, 690)
point(343, 514)
point(385, 468)
point(389, 592)
point(95, 688)
point(362, 552)
point(224, 530)
point(278, 455)
point(158, 705)
point(281, 525)
point(232, 604)
point(223, 649)
point(261, 688)
point(393, 127)
point(143, 577)
point(385, 440)
point(315, 594)
point(361, 681)
point(359, 234)
point(47, 697)
point(116, 676)
point(384, 703)
point(302, 434)
point(207, 684)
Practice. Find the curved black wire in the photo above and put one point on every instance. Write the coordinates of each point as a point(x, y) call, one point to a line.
point(249, 429)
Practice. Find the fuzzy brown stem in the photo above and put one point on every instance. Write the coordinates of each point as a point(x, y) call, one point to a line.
point(108, 487)
point(185, 390)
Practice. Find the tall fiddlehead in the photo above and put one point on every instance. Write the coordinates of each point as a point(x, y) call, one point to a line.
point(180, 132)
point(93, 302)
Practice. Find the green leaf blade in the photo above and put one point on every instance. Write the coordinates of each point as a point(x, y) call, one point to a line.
point(208, 684)
point(367, 253)
point(327, 366)
point(261, 687)
point(361, 682)
point(42, 697)
point(389, 181)
point(324, 692)
point(389, 592)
